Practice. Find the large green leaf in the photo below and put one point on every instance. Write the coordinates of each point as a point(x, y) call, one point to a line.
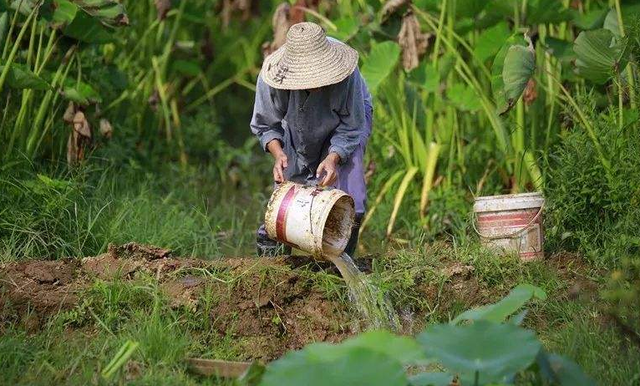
point(89, 21)
point(328, 365)
point(20, 77)
point(88, 29)
point(23, 6)
point(347, 27)
point(500, 311)
point(463, 97)
point(59, 12)
point(512, 68)
point(611, 23)
point(519, 65)
point(400, 348)
point(379, 63)
point(589, 20)
point(546, 12)
point(629, 14)
point(81, 93)
point(109, 12)
point(600, 56)
point(561, 49)
point(470, 8)
point(491, 40)
point(494, 351)
point(426, 76)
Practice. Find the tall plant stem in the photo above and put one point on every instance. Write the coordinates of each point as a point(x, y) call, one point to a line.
point(33, 143)
point(14, 50)
point(439, 35)
point(629, 70)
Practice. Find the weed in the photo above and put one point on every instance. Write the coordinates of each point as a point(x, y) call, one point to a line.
point(590, 211)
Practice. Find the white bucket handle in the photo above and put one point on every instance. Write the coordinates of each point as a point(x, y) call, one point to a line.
point(511, 235)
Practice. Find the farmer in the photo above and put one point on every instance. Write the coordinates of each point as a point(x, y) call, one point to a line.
point(313, 114)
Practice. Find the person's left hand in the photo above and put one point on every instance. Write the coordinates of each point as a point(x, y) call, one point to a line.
point(330, 169)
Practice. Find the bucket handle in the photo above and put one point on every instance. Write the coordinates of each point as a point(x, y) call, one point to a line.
point(507, 236)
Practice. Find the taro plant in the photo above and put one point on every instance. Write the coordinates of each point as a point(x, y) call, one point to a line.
point(485, 90)
point(41, 70)
point(476, 348)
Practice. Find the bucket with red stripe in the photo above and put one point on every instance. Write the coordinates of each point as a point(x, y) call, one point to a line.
point(310, 218)
point(512, 223)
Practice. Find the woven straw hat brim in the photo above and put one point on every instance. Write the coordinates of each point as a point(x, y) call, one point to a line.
point(312, 71)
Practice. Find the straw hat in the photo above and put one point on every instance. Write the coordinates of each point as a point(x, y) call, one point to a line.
point(308, 60)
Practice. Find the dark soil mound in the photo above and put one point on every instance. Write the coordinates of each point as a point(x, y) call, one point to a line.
point(269, 306)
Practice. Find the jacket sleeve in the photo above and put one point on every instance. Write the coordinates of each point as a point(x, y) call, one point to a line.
point(346, 136)
point(266, 122)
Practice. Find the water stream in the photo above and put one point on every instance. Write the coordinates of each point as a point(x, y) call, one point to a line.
point(367, 298)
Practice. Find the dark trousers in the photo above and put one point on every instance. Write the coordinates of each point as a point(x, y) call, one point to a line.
point(268, 247)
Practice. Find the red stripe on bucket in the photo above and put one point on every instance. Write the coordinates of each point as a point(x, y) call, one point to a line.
point(281, 218)
point(519, 216)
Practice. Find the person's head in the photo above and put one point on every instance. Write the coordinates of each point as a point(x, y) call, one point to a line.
point(308, 60)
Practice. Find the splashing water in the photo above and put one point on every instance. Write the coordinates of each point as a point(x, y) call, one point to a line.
point(367, 298)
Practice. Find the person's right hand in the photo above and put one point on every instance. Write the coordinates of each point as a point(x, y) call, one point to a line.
point(279, 165)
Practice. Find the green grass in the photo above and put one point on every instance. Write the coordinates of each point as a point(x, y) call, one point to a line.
point(52, 214)
point(582, 333)
point(73, 346)
point(79, 212)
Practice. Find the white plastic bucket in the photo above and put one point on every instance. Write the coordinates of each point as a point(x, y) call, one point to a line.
point(313, 219)
point(512, 223)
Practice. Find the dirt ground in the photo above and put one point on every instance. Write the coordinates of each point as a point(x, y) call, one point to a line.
point(270, 306)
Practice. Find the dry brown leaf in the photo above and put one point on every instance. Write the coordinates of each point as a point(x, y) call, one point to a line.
point(123, 20)
point(69, 113)
point(72, 150)
point(163, 7)
point(281, 24)
point(105, 128)
point(391, 6)
point(284, 17)
point(81, 125)
point(530, 92)
point(576, 4)
point(226, 12)
point(371, 169)
point(243, 5)
point(413, 42)
point(80, 135)
point(296, 14)
point(230, 6)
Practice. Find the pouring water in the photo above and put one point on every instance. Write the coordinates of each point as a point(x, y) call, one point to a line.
point(367, 298)
point(319, 221)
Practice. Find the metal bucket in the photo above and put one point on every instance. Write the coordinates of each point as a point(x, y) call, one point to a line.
point(310, 218)
point(512, 223)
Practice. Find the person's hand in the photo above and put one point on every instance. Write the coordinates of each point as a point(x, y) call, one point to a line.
point(330, 169)
point(280, 163)
point(280, 160)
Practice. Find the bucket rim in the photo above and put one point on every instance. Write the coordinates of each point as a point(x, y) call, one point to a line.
point(506, 202)
point(337, 196)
